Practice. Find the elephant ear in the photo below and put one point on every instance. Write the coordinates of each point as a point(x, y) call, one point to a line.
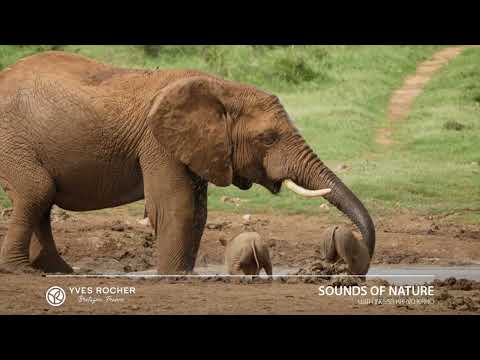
point(189, 119)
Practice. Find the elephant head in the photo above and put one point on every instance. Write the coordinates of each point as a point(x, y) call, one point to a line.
point(230, 133)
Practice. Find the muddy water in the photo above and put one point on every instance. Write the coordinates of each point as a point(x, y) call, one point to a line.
point(419, 274)
point(397, 274)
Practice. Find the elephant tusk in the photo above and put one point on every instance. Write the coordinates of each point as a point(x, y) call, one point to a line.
point(304, 192)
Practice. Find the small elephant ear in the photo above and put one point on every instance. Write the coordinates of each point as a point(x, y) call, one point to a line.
point(189, 119)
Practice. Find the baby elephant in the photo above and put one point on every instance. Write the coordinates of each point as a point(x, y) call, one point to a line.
point(246, 253)
point(339, 242)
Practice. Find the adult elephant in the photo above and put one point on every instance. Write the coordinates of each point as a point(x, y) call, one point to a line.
point(85, 135)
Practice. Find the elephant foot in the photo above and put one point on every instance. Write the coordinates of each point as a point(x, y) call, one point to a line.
point(51, 263)
point(17, 267)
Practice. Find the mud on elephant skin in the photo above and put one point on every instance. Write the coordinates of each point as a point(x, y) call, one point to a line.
point(158, 135)
point(339, 243)
point(246, 254)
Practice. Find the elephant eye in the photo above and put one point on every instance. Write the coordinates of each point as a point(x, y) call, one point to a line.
point(268, 138)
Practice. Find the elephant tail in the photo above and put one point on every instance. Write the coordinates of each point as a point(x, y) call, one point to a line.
point(255, 254)
point(330, 251)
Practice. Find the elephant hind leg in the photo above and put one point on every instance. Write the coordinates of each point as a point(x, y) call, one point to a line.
point(32, 192)
point(43, 252)
point(268, 267)
point(248, 262)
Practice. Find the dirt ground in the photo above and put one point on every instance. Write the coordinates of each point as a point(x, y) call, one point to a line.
point(114, 241)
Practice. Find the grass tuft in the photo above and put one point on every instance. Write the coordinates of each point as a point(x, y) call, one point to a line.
point(453, 125)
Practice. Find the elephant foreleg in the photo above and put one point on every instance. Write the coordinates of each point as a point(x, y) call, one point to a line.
point(172, 209)
point(201, 212)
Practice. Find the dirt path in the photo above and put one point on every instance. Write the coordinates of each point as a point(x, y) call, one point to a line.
point(403, 98)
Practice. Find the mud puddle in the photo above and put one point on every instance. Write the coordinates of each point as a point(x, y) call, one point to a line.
point(398, 275)
point(419, 274)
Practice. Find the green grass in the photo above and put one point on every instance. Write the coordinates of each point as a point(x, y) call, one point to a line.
point(338, 97)
point(440, 139)
point(339, 119)
point(434, 165)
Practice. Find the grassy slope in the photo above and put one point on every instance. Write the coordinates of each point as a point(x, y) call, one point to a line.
point(338, 97)
point(339, 120)
point(441, 165)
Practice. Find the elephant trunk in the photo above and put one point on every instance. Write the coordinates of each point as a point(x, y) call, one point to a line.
point(308, 171)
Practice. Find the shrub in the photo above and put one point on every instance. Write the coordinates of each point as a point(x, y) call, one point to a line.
point(453, 125)
point(294, 70)
point(171, 51)
point(151, 50)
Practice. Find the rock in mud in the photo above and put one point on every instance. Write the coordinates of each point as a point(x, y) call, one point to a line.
point(246, 218)
point(118, 227)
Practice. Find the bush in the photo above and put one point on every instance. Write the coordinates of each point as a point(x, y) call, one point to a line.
point(476, 99)
point(171, 51)
point(453, 125)
point(151, 50)
point(294, 70)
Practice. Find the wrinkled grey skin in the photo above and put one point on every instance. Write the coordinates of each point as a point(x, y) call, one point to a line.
point(246, 254)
